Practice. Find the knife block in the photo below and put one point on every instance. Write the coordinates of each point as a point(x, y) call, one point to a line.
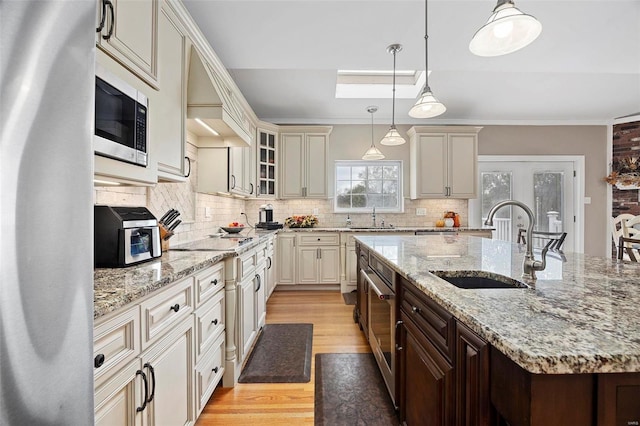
point(164, 238)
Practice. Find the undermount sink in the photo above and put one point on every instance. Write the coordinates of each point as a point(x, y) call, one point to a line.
point(480, 282)
point(370, 227)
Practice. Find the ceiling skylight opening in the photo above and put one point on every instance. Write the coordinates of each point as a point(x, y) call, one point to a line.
point(378, 84)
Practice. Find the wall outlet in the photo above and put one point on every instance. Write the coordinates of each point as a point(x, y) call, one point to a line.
point(315, 211)
point(207, 212)
point(421, 212)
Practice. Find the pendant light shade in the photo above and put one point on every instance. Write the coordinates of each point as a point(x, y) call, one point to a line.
point(372, 153)
point(507, 30)
point(393, 137)
point(427, 105)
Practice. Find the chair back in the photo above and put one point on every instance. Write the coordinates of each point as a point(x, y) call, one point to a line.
point(629, 247)
point(557, 237)
point(617, 226)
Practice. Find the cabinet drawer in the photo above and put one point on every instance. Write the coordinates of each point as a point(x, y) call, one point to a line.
point(436, 323)
point(116, 342)
point(318, 239)
point(166, 309)
point(209, 282)
point(246, 265)
point(209, 372)
point(209, 323)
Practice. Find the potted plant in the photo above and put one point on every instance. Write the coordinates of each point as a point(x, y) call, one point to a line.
point(625, 173)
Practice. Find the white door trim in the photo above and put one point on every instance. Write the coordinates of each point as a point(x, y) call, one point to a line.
point(579, 198)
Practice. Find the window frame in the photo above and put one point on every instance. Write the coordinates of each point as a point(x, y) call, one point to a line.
point(365, 163)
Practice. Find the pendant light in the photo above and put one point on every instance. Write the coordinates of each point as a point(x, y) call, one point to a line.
point(427, 105)
point(507, 30)
point(393, 137)
point(372, 153)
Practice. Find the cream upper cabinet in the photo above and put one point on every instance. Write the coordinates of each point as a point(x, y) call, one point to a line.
point(443, 161)
point(266, 162)
point(241, 171)
point(168, 112)
point(303, 161)
point(128, 32)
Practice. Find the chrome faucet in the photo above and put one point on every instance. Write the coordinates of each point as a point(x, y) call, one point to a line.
point(529, 265)
point(373, 216)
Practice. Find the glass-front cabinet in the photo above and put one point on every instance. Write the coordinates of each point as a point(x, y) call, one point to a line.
point(267, 162)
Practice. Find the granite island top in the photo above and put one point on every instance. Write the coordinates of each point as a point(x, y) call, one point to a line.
point(387, 229)
point(114, 288)
point(580, 316)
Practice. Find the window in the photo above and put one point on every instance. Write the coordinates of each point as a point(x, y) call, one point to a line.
point(362, 185)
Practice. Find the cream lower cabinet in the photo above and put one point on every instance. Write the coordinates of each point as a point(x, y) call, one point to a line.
point(286, 258)
point(318, 258)
point(157, 361)
point(443, 161)
point(248, 321)
point(271, 274)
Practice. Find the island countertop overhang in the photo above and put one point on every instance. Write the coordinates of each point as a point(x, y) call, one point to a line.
point(581, 316)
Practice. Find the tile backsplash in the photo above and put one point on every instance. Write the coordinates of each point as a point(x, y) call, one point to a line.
point(203, 214)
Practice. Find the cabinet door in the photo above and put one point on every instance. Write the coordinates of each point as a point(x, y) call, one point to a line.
point(308, 265)
point(426, 380)
point(266, 161)
point(261, 299)
point(351, 267)
point(329, 265)
point(462, 169)
point(286, 258)
point(116, 400)
point(171, 380)
point(473, 403)
point(247, 316)
point(316, 170)
point(292, 178)
point(431, 167)
point(168, 112)
point(236, 170)
point(270, 274)
point(134, 36)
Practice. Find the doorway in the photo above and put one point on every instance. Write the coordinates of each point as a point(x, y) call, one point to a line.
point(549, 185)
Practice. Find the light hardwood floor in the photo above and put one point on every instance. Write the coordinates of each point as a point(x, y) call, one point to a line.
point(289, 403)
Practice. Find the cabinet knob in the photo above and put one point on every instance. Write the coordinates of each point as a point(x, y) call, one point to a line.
point(214, 281)
point(215, 369)
point(398, 347)
point(98, 360)
point(415, 309)
point(215, 321)
point(175, 307)
point(318, 239)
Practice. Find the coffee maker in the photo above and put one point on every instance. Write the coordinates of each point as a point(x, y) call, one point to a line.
point(265, 218)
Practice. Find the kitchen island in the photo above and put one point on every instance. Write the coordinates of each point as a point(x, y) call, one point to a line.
point(570, 338)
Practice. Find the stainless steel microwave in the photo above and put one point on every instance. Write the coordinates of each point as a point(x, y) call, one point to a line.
point(120, 121)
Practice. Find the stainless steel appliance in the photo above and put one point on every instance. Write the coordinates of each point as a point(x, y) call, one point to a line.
point(382, 321)
point(120, 129)
point(46, 220)
point(125, 236)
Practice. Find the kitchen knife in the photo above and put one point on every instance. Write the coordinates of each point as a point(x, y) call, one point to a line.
point(171, 218)
point(174, 225)
point(165, 216)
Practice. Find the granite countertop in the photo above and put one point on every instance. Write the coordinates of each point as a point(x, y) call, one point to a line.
point(580, 316)
point(116, 287)
point(386, 229)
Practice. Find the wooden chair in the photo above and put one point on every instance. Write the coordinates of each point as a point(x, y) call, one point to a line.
point(556, 237)
point(617, 226)
point(629, 248)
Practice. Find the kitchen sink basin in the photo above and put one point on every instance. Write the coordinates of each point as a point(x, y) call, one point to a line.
point(482, 281)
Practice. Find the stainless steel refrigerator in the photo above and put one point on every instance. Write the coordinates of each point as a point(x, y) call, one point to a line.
point(47, 55)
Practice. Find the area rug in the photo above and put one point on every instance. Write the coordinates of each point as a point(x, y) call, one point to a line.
point(349, 390)
point(350, 298)
point(282, 354)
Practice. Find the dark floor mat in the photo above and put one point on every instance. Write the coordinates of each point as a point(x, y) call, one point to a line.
point(350, 298)
point(349, 390)
point(282, 354)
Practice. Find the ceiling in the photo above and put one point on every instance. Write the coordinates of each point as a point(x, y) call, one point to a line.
point(284, 56)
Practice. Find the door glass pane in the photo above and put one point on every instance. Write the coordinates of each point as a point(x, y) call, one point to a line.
point(548, 196)
point(496, 187)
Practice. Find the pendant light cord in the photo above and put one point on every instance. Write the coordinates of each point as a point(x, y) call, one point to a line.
point(393, 106)
point(426, 46)
point(372, 129)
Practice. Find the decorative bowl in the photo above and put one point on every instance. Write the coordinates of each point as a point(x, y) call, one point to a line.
point(232, 229)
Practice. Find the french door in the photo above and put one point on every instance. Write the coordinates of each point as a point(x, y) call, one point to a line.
point(547, 187)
